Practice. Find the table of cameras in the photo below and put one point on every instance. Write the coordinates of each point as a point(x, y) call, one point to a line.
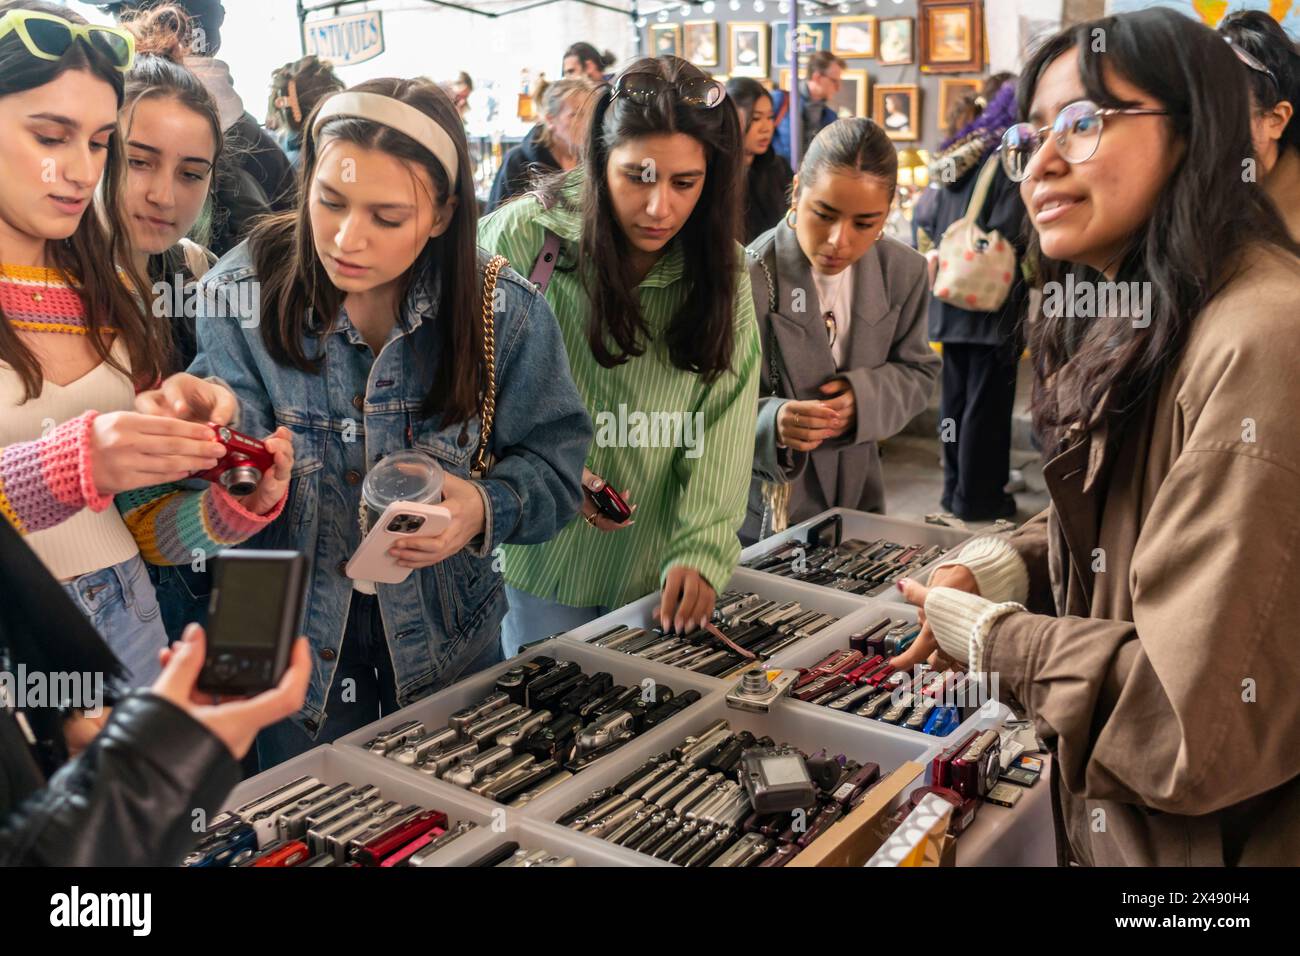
point(544, 825)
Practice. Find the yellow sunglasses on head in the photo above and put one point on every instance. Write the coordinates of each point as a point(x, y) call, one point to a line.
point(49, 37)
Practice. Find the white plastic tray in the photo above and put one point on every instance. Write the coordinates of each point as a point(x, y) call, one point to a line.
point(809, 652)
point(335, 765)
point(847, 607)
point(865, 525)
point(800, 726)
point(436, 708)
point(537, 835)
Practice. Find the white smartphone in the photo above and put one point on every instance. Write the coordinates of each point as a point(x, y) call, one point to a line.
point(401, 519)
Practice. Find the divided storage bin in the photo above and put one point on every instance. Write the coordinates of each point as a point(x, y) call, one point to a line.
point(807, 726)
point(865, 525)
point(848, 607)
point(434, 710)
point(334, 765)
point(809, 652)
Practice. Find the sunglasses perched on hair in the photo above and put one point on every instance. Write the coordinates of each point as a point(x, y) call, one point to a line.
point(49, 37)
point(1077, 131)
point(1252, 61)
point(645, 88)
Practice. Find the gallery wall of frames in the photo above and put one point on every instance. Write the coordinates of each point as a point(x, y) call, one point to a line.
point(906, 61)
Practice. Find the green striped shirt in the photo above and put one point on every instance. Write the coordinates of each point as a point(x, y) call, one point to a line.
point(683, 448)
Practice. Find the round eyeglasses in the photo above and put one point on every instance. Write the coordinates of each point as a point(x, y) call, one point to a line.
point(1077, 131)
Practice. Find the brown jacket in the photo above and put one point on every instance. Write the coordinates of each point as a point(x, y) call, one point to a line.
point(1166, 678)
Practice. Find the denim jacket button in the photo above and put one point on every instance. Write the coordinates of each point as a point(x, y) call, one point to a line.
point(353, 477)
point(311, 725)
point(327, 655)
point(358, 402)
point(462, 439)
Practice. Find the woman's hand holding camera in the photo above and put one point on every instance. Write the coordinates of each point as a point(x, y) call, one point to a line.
point(468, 520)
point(236, 721)
point(129, 450)
point(275, 482)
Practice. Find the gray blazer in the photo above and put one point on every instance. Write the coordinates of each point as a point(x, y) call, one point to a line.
point(889, 362)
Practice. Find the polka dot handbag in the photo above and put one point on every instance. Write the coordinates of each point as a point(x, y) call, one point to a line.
point(975, 267)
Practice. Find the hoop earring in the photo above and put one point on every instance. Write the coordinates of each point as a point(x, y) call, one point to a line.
point(791, 217)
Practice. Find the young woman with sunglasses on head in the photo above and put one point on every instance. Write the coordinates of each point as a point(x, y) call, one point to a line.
point(1273, 64)
point(650, 291)
point(368, 337)
point(845, 358)
point(1138, 620)
point(76, 343)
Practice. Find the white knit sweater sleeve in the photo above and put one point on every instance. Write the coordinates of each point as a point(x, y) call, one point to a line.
point(998, 568)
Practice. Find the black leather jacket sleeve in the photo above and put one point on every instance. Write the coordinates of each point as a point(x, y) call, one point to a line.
point(128, 800)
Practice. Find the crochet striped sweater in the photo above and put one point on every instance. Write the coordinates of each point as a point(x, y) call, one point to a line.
point(49, 479)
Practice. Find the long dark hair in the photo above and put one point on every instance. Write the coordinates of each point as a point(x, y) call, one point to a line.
point(745, 92)
point(298, 299)
point(1188, 249)
point(86, 258)
point(699, 336)
point(767, 183)
point(1263, 38)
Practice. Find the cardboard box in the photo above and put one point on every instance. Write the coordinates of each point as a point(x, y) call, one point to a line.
point(853, 840)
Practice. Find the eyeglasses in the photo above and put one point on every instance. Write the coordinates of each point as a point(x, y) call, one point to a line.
point(1077, 131)
point(49, 37)
point(644, 88)
point(1253, 62)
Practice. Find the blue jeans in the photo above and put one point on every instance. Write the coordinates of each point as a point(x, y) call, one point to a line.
point(364, 687)
point(531, 618)
point(182, 595)
point(120, 603)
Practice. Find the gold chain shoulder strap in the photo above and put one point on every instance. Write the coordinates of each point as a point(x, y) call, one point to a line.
point(489, 410)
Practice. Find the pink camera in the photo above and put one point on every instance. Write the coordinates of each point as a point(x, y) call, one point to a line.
point(241, 468)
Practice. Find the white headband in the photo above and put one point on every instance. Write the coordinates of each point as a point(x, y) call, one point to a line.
point(396, 115)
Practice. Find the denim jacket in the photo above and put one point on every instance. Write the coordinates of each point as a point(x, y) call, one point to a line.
point(358, 409)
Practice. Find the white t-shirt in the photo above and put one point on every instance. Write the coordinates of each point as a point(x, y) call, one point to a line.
point(835, 295)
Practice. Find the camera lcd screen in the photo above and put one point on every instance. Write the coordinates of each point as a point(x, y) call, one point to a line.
point(249, 603)
point(780, 771)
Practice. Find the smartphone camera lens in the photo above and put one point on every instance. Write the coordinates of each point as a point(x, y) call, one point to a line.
point(406, 524)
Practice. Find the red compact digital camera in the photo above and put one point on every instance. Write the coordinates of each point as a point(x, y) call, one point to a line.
point(241, 468)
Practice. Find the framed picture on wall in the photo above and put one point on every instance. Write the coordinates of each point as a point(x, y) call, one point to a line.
point(950, 90)
point(952, 36)
point(851, 100)
point(895, 41)
point(853, 37)
point(747, 49)
point(812, 37)
point(666, 39)
point(700, 42)
point(897, 107)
